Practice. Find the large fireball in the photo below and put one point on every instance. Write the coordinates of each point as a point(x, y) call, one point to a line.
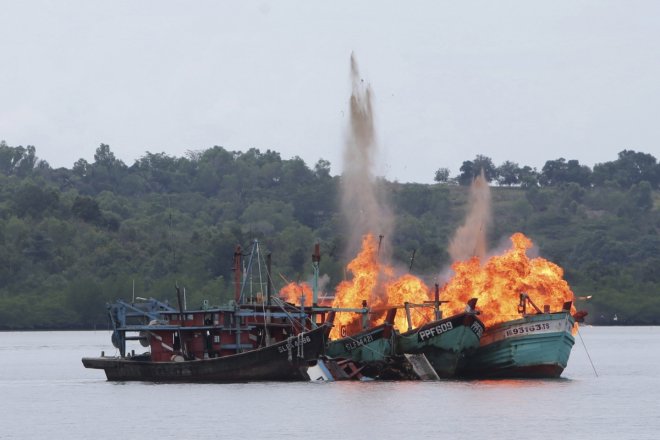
point(374, 282)
point(499, 282)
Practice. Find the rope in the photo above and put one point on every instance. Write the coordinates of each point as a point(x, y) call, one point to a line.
point(263, 301)
point(586, 351)
point(425, 320)
point(281, 304)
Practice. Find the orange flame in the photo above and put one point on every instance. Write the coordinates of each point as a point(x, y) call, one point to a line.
point(362, 287)
point(409, 288)
point(292, 293)
point(500, 281)
point(375, 283)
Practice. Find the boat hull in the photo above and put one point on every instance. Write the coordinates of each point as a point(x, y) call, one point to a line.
point(371, 353)
point(370, 345)
point(283, 361)
point(445, 343)
point(537, 346)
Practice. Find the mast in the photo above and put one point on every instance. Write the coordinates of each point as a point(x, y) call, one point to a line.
point(237, 273)
point(412, 260)
point(436, 303)
point(316, 259)
point(178, 299)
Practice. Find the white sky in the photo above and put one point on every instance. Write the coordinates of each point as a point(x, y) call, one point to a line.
point(527, 81)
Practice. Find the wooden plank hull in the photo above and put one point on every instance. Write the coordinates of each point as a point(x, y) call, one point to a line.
point(284, 361)
point(537, 346)
point(445, 343)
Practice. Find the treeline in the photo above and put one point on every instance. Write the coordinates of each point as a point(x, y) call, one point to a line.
point(73, 239)
point(630, 168)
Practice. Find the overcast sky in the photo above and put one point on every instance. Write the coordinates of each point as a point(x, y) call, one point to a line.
point(526, 81)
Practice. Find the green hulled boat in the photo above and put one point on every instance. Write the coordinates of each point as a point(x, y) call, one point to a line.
point(535, 346)
point(445, 342)
point(374, 344)
point(371, 352)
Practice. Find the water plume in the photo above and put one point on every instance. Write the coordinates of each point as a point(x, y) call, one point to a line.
point(470, 239)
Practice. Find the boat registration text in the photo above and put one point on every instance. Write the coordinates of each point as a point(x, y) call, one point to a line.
point(478, 329)
point(439, 329)
point(294, 343)
point(358, 342)
point(527, 329)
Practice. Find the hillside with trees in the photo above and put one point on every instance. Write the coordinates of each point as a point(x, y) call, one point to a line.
point(73, 239)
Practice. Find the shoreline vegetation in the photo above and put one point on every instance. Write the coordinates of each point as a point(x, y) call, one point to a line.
point(74, 239)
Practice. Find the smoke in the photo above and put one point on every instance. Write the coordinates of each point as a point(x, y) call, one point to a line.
point(471, 239)
point(324, 280)
point(361, 196)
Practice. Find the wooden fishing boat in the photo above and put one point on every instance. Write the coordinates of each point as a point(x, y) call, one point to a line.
point(431, 351)
point(445, 343)
point(209, 353)
point(369, 353)
point(373, 344)
point(250, 339)
point(534, 346)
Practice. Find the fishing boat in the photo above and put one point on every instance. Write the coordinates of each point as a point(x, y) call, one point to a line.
point(369, 353)
point(429, 352)
point(374, 344)
point(444, 343)
point(250, 339)
point(537, 345)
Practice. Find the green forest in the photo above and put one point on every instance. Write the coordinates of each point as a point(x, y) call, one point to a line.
point(72, 240)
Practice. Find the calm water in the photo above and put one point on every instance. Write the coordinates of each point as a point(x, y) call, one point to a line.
point(46, 393)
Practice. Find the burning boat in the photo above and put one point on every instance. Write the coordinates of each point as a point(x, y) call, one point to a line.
point(534, 346)
point(445, 343)
point(250, 339)
point(429, 352)
point(360, 348)
point(432, 346)
point(368, 353)
point(521, 339)
point(370, 341)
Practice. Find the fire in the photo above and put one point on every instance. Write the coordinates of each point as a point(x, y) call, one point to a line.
point(375, 283)
point(362, 287)
point(409, 288)
point(497, 284)
point(293, 291)
point(500, 281)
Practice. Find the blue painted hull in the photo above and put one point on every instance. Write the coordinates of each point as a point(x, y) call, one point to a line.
point(537, 346)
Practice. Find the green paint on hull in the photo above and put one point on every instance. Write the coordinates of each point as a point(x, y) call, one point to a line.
point(367, 346)
point(445, 351)
point(537, 346)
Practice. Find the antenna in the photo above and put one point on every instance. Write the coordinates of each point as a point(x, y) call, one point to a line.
point(269, 281)
point(316, 259)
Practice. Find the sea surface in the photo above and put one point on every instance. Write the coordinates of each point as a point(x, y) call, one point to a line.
point(45, 393)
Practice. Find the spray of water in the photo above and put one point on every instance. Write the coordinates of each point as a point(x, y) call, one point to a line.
point(362, 202)
point(471, 238)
